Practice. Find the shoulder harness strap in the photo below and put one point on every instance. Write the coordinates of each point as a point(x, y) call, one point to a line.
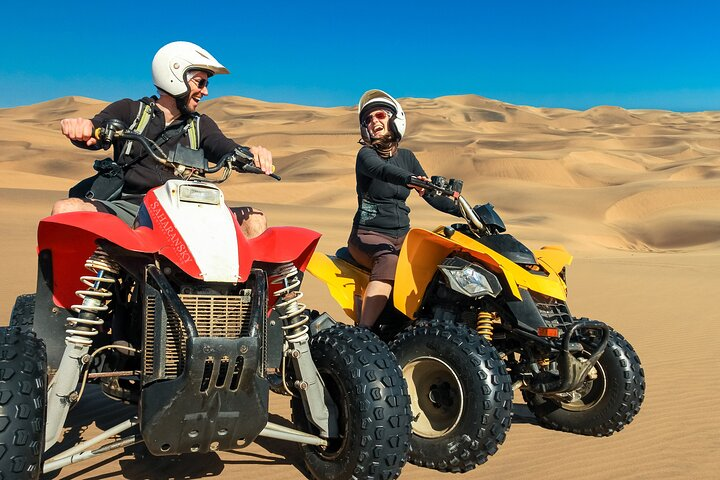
point(140, 122)
point(194, 132)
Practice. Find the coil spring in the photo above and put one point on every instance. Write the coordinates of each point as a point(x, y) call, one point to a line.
point(83, 327)
point(484, 325)
point(289, 307)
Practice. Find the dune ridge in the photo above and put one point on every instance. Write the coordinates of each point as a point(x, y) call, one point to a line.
point(606, 157)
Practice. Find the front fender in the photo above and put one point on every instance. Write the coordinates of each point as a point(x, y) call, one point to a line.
point(285, 244)
point(553, 257)
point(421, 253)
point(71, 239)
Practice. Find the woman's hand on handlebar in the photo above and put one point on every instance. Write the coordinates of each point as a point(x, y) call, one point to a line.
point(421, 190)
point(79, 130)
point(436, 185)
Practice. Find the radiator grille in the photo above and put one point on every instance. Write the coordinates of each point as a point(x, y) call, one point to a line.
point(214, 315)
point(554, 311)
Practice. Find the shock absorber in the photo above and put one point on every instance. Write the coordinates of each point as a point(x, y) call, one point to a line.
point(95, 299)
point(80, 331)
point(289, 307)
point(484, 325)
point(320, 408)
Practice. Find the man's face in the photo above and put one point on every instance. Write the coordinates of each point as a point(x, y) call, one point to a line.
point(198, 83)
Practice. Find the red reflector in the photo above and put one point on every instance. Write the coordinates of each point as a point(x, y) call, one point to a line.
point(548, 332)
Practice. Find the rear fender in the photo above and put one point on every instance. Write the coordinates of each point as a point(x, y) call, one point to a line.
point(345, 282)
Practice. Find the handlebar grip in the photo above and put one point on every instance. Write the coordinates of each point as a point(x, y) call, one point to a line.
point(431, 186)
point(250, 168)
point(245, 154)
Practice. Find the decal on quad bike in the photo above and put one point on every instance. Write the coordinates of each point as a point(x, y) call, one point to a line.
point(201, 237)
point(165, 225)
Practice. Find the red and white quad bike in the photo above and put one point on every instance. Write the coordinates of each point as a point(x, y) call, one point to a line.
point(195, 324)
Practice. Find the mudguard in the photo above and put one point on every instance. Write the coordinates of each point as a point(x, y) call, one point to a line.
point(553, 257)
point(72, 238)
point(423, 250)
point(284, 244)
point(345, 282)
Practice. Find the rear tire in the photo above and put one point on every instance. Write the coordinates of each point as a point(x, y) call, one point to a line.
point(23, 367)
point(604, 405)
point(461, 395)
point(362, 377)
point(23, 313)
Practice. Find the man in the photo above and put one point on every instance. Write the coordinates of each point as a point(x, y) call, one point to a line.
point(180, 71)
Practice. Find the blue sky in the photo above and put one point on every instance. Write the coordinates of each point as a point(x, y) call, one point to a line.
point(573, 54)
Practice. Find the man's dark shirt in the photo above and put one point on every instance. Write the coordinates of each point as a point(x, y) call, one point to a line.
point(144, 172)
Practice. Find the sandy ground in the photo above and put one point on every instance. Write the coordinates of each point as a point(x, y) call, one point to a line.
point(635, 195)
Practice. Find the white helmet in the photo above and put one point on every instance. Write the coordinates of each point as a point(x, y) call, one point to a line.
point(175, 59)
point(377, 98)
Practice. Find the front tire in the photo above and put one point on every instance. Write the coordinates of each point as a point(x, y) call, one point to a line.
point(365, 383)
point(601, 406)
point(23, 367)
point(461, 395)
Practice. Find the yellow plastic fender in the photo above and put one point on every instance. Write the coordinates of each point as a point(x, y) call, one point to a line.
point(420, 255)
point(345, 282)
point(423, 250)
point(553, 257)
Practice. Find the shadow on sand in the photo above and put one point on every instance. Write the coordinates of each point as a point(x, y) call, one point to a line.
point(136, 463)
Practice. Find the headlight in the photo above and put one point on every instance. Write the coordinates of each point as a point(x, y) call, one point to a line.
point(198, 194)
point(469, 278)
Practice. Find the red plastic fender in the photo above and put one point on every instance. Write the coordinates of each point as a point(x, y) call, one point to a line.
point(280, 245)
point(284, 244)
point(72, 237)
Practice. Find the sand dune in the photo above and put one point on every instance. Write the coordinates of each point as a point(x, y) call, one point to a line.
point(634, 194)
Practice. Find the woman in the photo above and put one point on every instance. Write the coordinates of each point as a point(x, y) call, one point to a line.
point(383, 172)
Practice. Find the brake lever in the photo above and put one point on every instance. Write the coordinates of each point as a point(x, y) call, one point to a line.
point(244, 153)
point(448, 192)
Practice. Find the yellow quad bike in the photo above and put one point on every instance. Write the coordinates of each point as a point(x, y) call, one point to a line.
point(477, 315)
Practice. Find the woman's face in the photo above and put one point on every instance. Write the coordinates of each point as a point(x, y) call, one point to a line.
point(376, 122)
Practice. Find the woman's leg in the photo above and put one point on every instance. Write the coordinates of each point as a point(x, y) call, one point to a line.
point(376, 296)
point(379, 253)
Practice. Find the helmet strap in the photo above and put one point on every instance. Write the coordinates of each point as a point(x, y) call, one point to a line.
point(181, 103)
point(386, 146)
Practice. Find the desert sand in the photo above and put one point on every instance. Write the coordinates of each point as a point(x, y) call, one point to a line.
point(633, 194)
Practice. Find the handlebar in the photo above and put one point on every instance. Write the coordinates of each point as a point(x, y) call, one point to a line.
point(452, 189)
point(439, 186)
point(241, 159)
